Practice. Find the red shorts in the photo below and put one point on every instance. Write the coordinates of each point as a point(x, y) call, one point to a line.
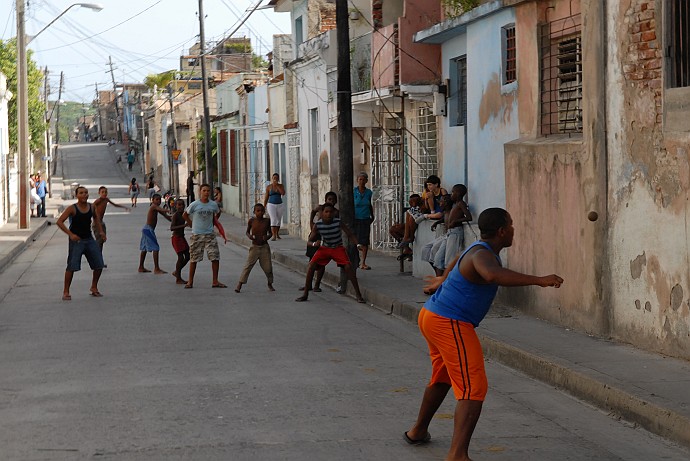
point(324, 255)
point(456, 355)
point(179, 243)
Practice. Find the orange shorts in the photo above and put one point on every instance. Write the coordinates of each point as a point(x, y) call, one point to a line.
point(456, 355)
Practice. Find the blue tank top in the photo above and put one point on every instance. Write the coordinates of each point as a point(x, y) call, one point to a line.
point(274, 197)
point(459, 299)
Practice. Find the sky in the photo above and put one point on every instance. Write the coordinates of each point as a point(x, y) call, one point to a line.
point(142, 36)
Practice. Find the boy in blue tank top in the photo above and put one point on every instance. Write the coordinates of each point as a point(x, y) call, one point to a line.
point(464, 294)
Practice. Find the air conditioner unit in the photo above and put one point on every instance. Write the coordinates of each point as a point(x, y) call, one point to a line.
point(439, 104)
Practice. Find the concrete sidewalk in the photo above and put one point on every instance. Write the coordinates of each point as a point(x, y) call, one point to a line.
point(641, 387)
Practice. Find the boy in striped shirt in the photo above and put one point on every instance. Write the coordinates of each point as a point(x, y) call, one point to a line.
point(330, 247)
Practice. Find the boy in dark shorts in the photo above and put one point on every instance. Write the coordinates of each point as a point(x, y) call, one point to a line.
point(149, 241)
point(330, 247)
point(81, 242)
point(258, 231)
point(179, 243)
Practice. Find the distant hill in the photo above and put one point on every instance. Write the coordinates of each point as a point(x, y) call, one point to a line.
point(71, 114)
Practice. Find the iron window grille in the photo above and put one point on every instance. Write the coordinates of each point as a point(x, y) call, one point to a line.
point(561, 76)
point(678, 43)
point(458, 97)
point(509, 54)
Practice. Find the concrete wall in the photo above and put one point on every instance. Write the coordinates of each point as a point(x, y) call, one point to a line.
point(649, 181)
point(418, 63)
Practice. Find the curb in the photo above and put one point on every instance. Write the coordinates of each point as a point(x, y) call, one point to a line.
point(19, 248)
point(648, 415)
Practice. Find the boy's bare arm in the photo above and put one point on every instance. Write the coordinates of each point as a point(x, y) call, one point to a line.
point(458, 215)
point(187, 219)
point(99, 226)
point(118, 205)
point(163, 212)
point(61, 223)
point(249, 229)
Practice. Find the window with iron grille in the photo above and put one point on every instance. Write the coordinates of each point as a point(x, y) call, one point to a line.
point(223, 145)
point(509, 54)
point(561, 76)
point(678, 43)
point(457, 101)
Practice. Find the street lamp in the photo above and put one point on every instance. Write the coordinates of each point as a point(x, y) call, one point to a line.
point(23, 108)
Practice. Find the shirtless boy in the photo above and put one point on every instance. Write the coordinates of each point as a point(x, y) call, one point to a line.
point(81, 242)
point(99, 205)
point(149, 242)
point(179, 243)
point(258, 231)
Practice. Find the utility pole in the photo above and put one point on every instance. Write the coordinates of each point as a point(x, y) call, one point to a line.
point(345, 173)
point(175, 169)
point(46, 137)
point(83, 109)
point(22, 122)
point(98, 108)
point(57, 121)
point(204, 89)
point(117, 105)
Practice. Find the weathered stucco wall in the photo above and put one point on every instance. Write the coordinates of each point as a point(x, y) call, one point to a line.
point(555, 186)
point(649, 180)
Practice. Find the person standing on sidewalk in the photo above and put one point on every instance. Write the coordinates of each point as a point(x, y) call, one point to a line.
point(130, 159)
point(190, 187)
point(464, 294)
point(364, 216)
point(199, 216)
point(42, 191)
point(258, 231)
point(273, 201)
point(81, 242)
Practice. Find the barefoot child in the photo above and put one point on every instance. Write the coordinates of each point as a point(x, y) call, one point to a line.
point(99, 206)
point(330, 247)
point(258, 231)
point(149, 242)
point(179, 243)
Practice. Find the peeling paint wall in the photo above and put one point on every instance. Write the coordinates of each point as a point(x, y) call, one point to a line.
point(492, 114)
point(649, 176)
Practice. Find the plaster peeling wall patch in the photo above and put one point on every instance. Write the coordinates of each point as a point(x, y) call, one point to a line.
point(636, 266)
point(676, 297)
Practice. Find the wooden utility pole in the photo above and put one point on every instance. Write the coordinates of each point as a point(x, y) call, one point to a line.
point(117, 105)
point(208, 171)
point(23, 152)
point(345, 168)
point(174, 168)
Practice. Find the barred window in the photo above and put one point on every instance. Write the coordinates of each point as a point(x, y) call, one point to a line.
point(561, 76)
point(509, 54)
point(677, 49)
point(457, 102)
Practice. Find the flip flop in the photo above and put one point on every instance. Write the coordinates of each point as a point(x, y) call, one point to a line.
point(426, 439)
point(188, 287)
point(66, 298)
point(219, 285)
point(365, 268)
point(96, 294)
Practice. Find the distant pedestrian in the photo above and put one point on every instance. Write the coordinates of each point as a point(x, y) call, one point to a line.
point(273, 201)
point(150, 188)
point(199, 215)
point(149, 241)
point(81, 242)
point(35, 199)
point(130, 159)
point(464, 294)
point(99, 206)
point(190, 187)
point(364, 216)
point(258, 231)
point(41, 191)
point(330, 247)
point(218, 197)
point(133, 191)
point(179, 242)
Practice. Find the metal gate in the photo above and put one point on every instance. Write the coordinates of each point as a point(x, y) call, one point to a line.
point(387, 179)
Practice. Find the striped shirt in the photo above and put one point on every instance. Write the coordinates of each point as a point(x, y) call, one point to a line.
point(330, 233)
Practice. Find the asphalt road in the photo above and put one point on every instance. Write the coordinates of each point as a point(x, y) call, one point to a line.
point(153, 371)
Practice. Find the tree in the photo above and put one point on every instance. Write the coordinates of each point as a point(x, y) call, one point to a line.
point(201, 160)
point(8, 66)
point(161, 80)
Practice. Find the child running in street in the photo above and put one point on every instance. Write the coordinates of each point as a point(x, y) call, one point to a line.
point(179, 243)
point(149, 242)
point(330, 247)
point(258, 231)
